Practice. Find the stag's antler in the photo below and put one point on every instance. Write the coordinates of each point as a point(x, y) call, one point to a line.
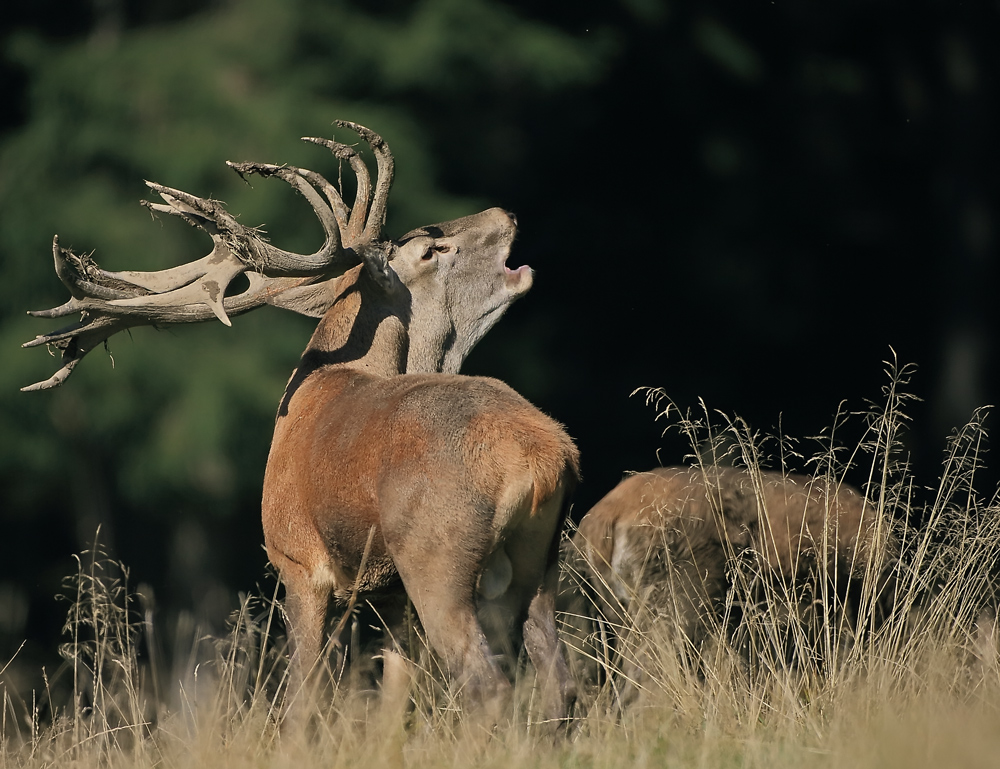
point(109, 302)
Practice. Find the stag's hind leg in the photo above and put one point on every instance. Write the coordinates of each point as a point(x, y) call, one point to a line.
point(441, 582)
point(455, 634)
point(534, 553)
point(541, 640)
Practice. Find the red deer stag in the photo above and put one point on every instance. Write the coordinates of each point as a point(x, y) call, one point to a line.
point(664, 542)
point(450, 488)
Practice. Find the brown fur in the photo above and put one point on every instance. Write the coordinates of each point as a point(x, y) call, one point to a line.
point(664, 539)
point(465, 483)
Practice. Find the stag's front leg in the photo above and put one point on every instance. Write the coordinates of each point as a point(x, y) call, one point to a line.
point(533, 549)
point(541, 641)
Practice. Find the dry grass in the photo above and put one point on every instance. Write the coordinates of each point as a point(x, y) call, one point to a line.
point(781, 682)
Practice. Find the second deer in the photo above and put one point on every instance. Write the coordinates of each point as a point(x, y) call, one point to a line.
point(667, 546)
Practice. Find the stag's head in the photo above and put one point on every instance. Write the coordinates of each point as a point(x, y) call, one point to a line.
point(460, 285)
point(454, 275)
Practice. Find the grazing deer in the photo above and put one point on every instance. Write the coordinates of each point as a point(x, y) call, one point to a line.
point(384, 475)
point(666, 542)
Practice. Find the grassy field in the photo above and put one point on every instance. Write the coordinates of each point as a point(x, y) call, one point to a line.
point(791, 682)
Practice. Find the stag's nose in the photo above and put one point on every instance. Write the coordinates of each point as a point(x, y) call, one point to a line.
point(512, 216)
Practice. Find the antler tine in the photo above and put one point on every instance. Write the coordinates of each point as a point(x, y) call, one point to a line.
point(81, 275)
point(356, 226)
point(204, 213)
point(75, 341)
point(285, 262)
point(55, 380)
point(337, 204)
point(383, 157)
point(89, 285)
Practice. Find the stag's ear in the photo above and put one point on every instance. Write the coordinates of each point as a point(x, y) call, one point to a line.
point(376, 257)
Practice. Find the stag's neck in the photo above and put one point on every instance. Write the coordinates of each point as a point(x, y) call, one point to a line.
point(363, 331)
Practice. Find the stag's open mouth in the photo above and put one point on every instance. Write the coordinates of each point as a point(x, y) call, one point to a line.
point(519, 279)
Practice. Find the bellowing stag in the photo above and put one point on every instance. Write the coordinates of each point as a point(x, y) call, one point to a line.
point(667, 542)
point(384, 474)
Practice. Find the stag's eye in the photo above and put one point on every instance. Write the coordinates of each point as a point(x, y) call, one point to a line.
point(438, 248)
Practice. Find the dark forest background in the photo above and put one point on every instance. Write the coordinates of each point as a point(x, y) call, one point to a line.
point(749, 202)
